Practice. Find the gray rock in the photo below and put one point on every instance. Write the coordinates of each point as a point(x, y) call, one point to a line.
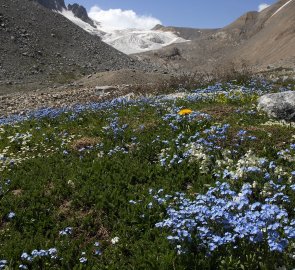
point(54, 5)
point(80, 12)
point(279, 105)
point(106, 88)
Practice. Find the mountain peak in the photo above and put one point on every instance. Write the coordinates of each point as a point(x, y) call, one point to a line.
point(58, 5)
point(81, 12)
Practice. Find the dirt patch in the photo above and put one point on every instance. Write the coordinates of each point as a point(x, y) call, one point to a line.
point(219, 112)
point(17, 192)
point(64, 208)
point(85, 142)
point(125, 77)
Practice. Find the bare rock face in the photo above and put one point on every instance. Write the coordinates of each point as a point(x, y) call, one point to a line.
point(53, 4)
point(59, 5)
point(80, 12)
point(279, 105)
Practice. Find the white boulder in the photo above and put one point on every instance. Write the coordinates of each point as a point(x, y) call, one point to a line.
point(279, 105)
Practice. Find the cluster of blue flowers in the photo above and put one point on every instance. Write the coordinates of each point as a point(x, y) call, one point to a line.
point(3, 264)
point(230, 213)
point(288, 153)
point(209, 139)
point(223, 216)
point(195, 116)
point(115, 129)
point(28, 258)
point(241, 136)
point(83, 260)
point(117, 149)
point(11, 215)
point(208, 93)
point(66, 231)
point(97, 252)
point(72, 111)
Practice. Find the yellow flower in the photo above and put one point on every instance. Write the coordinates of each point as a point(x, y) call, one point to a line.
point(185, 112)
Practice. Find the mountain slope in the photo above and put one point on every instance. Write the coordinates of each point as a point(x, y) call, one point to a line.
point(54, 49)
point(185, 32)
point(259, 38)
point(275, 42)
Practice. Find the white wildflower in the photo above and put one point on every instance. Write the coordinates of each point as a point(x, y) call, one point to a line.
point(115, 240)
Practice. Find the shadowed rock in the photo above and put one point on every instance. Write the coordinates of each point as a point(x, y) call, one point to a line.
point(53, 4)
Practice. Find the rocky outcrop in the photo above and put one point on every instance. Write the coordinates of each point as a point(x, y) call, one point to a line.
point(279, 105)
point(58, 5)
point(185, 32)
point(81, 13)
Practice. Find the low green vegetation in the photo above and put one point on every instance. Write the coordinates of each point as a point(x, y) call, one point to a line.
point(118, 185)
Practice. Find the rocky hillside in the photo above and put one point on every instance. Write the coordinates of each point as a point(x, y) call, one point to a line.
point(40, 45)
point(273, 42)
point(185, 32)
point(260, 38)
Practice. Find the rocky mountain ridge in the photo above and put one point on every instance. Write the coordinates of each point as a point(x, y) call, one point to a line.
point(81, 12)
point(185, 32)
point(59, 5)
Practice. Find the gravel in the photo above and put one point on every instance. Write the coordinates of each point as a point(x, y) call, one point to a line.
point(38, 44)
point(17, 103)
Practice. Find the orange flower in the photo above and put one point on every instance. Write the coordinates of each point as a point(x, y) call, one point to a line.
point(185, 112)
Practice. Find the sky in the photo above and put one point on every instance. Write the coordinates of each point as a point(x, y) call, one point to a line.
point(186, 13)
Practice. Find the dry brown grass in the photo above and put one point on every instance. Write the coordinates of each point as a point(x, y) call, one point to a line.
point(64, 208)
point(17, 192)
point(85, 142)
point(220, 112)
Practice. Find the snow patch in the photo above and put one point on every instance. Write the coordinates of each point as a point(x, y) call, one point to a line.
point(84, 25)
point(135, 41)
point(287, 3)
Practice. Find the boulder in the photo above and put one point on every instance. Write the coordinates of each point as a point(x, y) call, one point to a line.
point(279, 105)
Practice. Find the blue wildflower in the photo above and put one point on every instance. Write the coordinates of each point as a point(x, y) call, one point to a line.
point(83, 260)
point(11, 215)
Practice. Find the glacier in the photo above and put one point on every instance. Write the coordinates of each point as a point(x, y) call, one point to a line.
point(128, 41)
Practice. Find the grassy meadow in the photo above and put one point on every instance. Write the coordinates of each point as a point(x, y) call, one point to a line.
point(190, 180)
